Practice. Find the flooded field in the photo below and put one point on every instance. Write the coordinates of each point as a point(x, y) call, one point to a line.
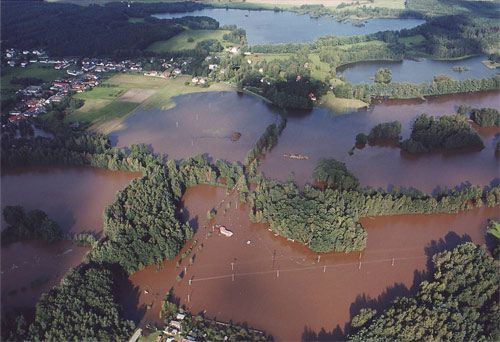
point(418, 71)
point(269, 27)
point(75, 197)
point(321, 134)
point(200, 123)
point(282, 287)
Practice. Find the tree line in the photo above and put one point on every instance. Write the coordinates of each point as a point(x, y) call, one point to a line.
point(371, 92)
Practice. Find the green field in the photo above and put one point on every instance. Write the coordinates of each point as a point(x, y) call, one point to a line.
point(180, 41)
point(106, 105)
point(340, 105)
point(319, 70)
point(412, 40)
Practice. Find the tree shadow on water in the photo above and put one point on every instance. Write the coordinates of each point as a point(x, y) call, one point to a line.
point(335, 335)
point(384, 300)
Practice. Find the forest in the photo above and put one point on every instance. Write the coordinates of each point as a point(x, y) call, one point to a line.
point(327, 220)
point(91, 31)
point(458, 303)
point(82, 307)
point(450, 132)
point(32, 225)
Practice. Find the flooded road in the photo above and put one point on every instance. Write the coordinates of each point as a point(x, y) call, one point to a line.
point(74, 197)
point(200, 123)
point(321, 134)
point(282, 287)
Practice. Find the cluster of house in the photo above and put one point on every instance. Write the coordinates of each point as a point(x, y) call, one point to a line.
point(171, 68)
point(36, 99)
point(174, 329)
point(73, 66)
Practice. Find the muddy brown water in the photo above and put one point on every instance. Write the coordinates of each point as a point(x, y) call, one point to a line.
point(200, 123)
point(320, 134)
point(75, 197)
point(279, 286)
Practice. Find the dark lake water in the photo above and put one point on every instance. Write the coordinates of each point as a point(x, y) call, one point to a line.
point(269, 27)
point(417, 71)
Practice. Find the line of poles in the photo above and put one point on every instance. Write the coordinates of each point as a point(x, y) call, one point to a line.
point(233, 275)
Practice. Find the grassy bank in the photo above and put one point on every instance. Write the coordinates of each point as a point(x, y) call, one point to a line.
point(340, 105)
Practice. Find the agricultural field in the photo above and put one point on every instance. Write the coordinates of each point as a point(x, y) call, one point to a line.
point(187, 40)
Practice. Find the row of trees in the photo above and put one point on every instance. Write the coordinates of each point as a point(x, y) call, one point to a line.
point(368, 92)
point(458, 303)
point(446, 132)
point(327, 220)
point(266, 141)
point(33, 225)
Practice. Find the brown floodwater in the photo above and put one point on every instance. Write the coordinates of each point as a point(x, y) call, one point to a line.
point(281, 287)
point(200, 123)
point(75, 197)
point(321, 134)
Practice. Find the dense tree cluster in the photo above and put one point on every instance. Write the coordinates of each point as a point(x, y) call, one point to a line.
point(386, 131)
point(82, 307)
point(72, 30)
point(458, 303)
point(383, 75)
point(335, 174)
point(33, 225)
point(327, 220)
point(446, 132)
point(141, 226)
point(485, 117)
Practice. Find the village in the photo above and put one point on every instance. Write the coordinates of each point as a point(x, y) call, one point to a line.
point(81, 74)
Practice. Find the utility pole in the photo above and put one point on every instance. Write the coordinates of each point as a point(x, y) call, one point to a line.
point(392, 261)
point(277, 273)
point(324, 269)
point(319, 258)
